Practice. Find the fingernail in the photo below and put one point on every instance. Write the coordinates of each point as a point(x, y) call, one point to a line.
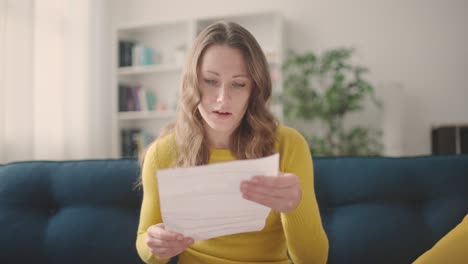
point(180, 238)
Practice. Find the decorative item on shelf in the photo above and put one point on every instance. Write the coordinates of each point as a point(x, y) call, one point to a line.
point(161, 106)
point(271, 56)
point(151, 99)
point(142, 55)
point(275, 77)
point(180, 55)
point(275, 74)
point(326, 88)
point(173, 104)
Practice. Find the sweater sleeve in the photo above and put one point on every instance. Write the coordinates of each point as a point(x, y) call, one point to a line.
point(150, 213)
point(305, 236)
point(449, 249)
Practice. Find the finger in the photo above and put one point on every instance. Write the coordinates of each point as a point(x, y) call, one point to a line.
point(265, 200)
point(154, 230)
point(154, 242)
point(283, 181)
point(270, 191)
point(173, 243)
point(168, 252)
point(277, 204)
point(161, 251)
point(162, 234)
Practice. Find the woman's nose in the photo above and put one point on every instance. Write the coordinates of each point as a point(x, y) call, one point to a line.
point(223, 94)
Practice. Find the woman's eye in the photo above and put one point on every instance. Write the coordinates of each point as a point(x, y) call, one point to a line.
point(210, 82)
point(238, 85)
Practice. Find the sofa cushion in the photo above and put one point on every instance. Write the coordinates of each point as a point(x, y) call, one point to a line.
point(69, 212)
point(389, 210)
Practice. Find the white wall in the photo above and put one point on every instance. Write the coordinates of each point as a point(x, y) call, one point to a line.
point(101, 123)
point(52, 86)
point(16, 79)
point(2, 78)
point(416, 50)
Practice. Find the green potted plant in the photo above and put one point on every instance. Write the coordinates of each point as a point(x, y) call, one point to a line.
point(325, 89)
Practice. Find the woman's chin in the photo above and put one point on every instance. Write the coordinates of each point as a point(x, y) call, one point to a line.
point(222, 127)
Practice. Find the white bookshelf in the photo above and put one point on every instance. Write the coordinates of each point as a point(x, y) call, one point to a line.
point(148, 69)
point(136, 115)
point(162, 77)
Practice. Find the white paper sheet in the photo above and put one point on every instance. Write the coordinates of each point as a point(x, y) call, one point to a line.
point(203, 202)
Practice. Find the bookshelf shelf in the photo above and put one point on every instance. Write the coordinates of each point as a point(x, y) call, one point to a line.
point(139, 115)
point(148, 69)
point(149, 58)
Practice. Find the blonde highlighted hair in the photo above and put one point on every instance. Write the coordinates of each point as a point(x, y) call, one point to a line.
point(255, 136)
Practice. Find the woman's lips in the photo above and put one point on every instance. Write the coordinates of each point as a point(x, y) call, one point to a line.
point(222, 115)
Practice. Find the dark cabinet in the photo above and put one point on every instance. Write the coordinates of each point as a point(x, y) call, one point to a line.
point(451, 139)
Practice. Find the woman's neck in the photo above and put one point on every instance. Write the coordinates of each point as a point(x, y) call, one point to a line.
point(218, 140)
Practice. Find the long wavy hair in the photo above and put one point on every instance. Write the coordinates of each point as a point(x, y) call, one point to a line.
point(255, 136)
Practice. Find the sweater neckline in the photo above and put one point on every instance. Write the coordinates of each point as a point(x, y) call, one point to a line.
point(221, 152)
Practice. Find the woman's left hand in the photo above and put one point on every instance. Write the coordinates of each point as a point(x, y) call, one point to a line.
point(281, 193)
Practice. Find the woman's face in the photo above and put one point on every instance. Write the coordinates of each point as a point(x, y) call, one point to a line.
point(225, 86)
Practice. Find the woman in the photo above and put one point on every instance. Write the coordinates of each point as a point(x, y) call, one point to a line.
point(223, 115)
point(449, 249)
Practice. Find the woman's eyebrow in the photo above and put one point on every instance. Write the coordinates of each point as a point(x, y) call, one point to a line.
point(213, 72)
point(234, 76)
point(240, 75)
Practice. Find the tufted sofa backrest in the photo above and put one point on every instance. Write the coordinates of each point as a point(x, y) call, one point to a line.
point(69, 212)
point(374, 210)
point(389, 210)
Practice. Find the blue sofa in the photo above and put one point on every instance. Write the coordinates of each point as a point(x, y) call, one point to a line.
point(374, 210)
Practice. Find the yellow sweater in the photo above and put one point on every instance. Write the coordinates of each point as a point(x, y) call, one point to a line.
point(452, 248)
point(299, 233)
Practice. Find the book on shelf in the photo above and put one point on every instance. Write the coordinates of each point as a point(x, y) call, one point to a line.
point(136, 98)
point(134, 141)
point(142, 55)
point(132, 53)
point(125, 52)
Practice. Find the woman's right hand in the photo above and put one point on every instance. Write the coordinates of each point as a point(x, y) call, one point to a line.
point(165, 244)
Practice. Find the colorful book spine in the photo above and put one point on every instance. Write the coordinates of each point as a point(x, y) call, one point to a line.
point(136, 98)
point(134, 141)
